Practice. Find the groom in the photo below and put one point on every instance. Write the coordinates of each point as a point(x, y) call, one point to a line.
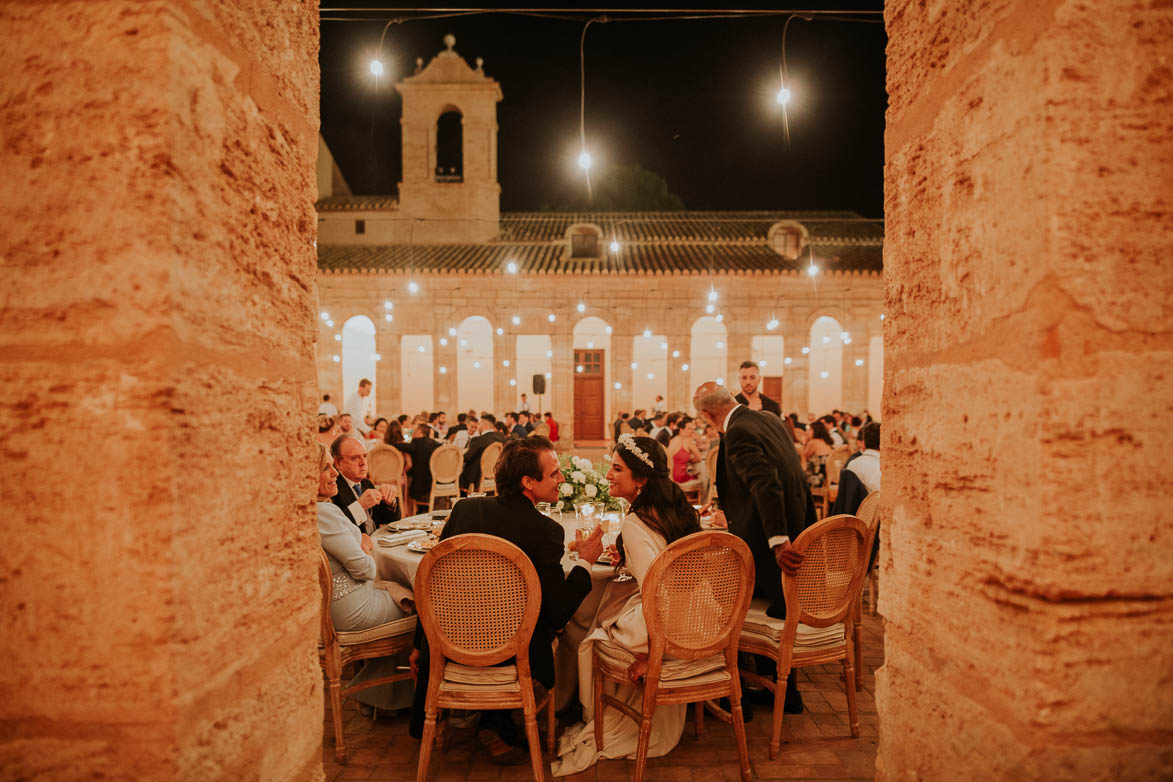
point(765, 496)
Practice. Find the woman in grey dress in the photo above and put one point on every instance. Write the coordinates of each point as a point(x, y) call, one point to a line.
point(359, 600)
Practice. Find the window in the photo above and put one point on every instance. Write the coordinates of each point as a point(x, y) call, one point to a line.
point(360, 226)
point(584, 243)
point(787, 242)
point(450, 147)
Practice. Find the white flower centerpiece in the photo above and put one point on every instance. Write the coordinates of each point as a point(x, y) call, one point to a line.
point(581, 482)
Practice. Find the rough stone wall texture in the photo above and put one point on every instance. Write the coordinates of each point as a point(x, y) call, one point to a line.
point(157, 570)
point(669, 305)
point(1028, 344)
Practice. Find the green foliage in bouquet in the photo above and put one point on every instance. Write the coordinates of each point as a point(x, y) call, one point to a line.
point(583, 483)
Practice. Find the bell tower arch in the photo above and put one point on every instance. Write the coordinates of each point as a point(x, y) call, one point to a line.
point(449, 185)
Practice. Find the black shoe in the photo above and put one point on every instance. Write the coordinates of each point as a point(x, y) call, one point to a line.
point(746, 709)
point(762, 697)
point(793, 703)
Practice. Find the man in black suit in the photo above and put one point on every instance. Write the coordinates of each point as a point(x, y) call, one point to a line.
point(367, 505)
point(420, 450)
point(470, 474)
point(527, 473)
point(763, 493)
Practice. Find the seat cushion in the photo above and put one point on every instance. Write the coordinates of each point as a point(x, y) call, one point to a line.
point(469, 678)
point(378, 632)
point(806, 638)
point(673, 673)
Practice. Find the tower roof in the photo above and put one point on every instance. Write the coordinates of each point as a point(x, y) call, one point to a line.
point(448, 67)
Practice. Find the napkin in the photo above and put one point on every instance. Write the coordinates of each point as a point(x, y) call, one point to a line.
point(399, 538)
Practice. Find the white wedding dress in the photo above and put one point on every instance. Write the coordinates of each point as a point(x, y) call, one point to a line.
point(620, 620)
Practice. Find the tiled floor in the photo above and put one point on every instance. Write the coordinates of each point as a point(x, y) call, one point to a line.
point(815, 745)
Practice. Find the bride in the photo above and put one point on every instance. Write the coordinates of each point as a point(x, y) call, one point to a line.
point(660, 514)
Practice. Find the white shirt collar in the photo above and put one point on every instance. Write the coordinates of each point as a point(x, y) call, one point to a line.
point(725, 426)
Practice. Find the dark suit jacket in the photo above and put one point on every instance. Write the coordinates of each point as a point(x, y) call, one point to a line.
point(541, 538)
point(381, 513)
point(763, 491)
point(768, 404)
point(471, 473)
point(420, 474)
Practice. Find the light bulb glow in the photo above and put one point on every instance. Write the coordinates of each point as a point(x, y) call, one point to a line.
point(824, 374)
point(500, 331)
point(549, 353)
point(773, 324)
point(578, 368)
point(451, 332)
point(464, 343)
point(684, 367)
point(511, 267)
point(614, 246)
point(516, 320)
point(337, 358)
point(581, 307)
point(812, 270)
point(762, 363)
point(720, 381)
point(709, 308)
point(651, 376)
point(413, 287)
point(712, 295)
point(330, 324)
point(388, 304)
point(551, 317)
point(326, 316)
point(388, 317)
point(618, 385)
point(881, 316)
point(512, 381)
point(376, 357)
point(443, 370)
point(805, 350)
point(590, 345)
point(608, 330)
point(826, 340)
point(505, 363)
point(720, 346)
point(476, 365)
point(421, 349)
point(675, 354)
point(783, 96)
point(376, 68)
point(635, 365)
point(584, 160)
point(647, 333)
point(859, 362)
point(787, 360)
point(663, 346)
point(844, 335)
point(720, 316)
point(443, 341)
point(337, 337)
point(549, 375)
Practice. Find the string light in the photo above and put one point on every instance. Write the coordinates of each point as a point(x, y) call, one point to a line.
point(329, 324)
point(376, 68)
point(388, 317)
point(551, 317)
point(720, 381)
point(590, 345)
point(582, 307)
point(511, 267)
point(762, 363)
point(618, 385)
point(326, 316)
point(376, 357)
point(578, 368)
point(516, 320)
point(443, 370)
point(651, 376)
point(421, 349)
point(549, 353)
point(772, 324)
point(584, 160)
point(663, 346)
point(712, 295)
point(505, 363)
point(464, 343)
point(684, 367)
point(388, 304)
point(549, 375)
point(844, 335)
point(337, 337)
point(709, 308)
point(337, 358)
point(720, 316)
point(476, 365)
point(647, 333)
point(805, 350)
point(512, 381)
point(859, 362)
point(443, 341)
point(824, 374)
point(413, 287)
point(608, 330)
point(720, 346)
point(881, 316)
point(675, 354)
point(500, 331)
point(783, 96)
point(826, 340)
point(451, 331)
point(787, 360)
point(812, 270)
point(635, 365)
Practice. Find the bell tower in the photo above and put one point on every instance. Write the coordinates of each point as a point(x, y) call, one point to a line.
point(449, 187)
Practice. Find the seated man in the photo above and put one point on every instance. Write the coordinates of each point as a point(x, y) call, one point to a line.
point(420, 474)
point(367, 505)
point(861, 475)
point(470, 475)
point(527, 473)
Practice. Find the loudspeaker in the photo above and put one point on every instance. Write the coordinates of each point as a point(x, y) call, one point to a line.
point(539, 384)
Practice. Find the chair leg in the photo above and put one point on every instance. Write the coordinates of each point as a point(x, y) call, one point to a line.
point(645, 733)
point(699, 718)
point(550, 723)
point(848, 676)
point(421, 774)
point(535, 744)
point(739, 732)
point(776, 724)
point(873, 581)
point(857, 632)
point(597, 687)
point(336, 712)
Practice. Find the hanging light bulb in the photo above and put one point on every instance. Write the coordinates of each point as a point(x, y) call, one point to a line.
point(805, 350)
point(684, 367)
point(709, 308)
point(712, 295)
point(329, 324)
point(388, 304)
point(512, 381)
point(783, 96)
point(464, 343)
point(451, 331)
point(608, 330)
point(549, 375)
point(337, 358)
point(420, 349)
point(376, 357)
point(388, 317)
point(582, 307)
point(376, 68)
point(551, 317)
point(844, 335)
point(824, 374)
point(476, 365)
point(443, 370)
point(663, 346)
point(584, 160)
point(413, 287)
point(618, 385)
point(590, 345)
point(549, 353)
point(505, 363)
point(516, 320)
point(326, 316)
point(500, 331)
point(651, 376)
point(511, 267)
point(720, 346)
point(647, 333)
point(635, 365)
point(826, 340)
point(787, 360)
point(443, 341)
point(675, 354)
point(614, 246)
point(720, 316)
point(772, 324)
point(578, 368)
point(812, 270)
point(337, 337)
point(859, 362)
point(720, 381)
point(762, 364)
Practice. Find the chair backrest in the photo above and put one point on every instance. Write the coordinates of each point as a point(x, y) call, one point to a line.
point(385, 464)
point(489, 458)
point(868, 510)
point(478, 597)
point(625, 428)
point(830, 578)
point(445, 464)
point(326, 582)
point(696, 594)
point(711, 463)
point(543, 429)
point(838, 458)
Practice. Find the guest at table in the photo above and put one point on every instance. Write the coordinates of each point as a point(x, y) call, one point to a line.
point(327, 407)
point(420, 450)
point(820, 443)
point(527, 473)
point(346, 425)
point(327, 430)
point(636, 422)
point(683, 453)
point(764, 497)
point(394, 435)
point(617, 424)
point(523, 420)
point(377, 433)
point(470, 474)
point(550, 422)
point(367, 506)
point(359, 600)
point(458, 433)
point(832, 427)
point(861, 475)
point(660, 514)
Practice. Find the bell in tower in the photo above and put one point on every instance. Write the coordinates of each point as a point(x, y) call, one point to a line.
point(449, 185)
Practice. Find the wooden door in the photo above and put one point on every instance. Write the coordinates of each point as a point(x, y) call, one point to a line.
point(772, 387)
point(589, 414)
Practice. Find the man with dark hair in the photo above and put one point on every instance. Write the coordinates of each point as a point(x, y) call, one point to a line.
point(671, 425)
point(619, 422)
point(657, 424)
point(523, 420)
point(861, 475)
point(833, 430)
point(527, 473)
point(748, 378)
point(795, 422)
point(367, 505)
point(512, 420)
point(470, 474)
point(636, 422)
point(455, 430)
point(420, 449)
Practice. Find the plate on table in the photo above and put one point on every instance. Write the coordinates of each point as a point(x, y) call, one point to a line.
point(422, 546)
point(605, 559)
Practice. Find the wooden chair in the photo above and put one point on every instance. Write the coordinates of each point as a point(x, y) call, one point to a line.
point(819, 605)
point(625, 428)
point(695, 597)
point(868, 513)
point(445, 464)
point(711, 463)
point(489, 457)
point(386, 464)
point(337, 649)
point(543, 429)
point(478, 598)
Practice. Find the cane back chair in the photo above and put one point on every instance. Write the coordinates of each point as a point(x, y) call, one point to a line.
point(489, 457)
point(445, 464)
point(711, 464)
point(478, 598)
point(820, 602)
point(336, 649)
point(868, 513)
point(695, 596)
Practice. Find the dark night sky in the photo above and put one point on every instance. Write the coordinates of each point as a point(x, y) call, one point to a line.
point(692, 101)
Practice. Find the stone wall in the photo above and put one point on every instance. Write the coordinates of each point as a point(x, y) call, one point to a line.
point(1026, 573)
point(159, 596)
point(669, 305)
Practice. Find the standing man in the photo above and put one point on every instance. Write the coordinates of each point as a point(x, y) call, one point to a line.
point(550, 422)
point(367, 505)
point(524, 406)
point(361, 406)
point(327, 407)
point(659, 406)
point(764, 495)
point(748, 378)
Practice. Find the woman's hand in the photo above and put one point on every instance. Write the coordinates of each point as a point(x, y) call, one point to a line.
point(638, 669)
point(367, 544)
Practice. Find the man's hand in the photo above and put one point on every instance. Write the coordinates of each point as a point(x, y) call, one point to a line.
point(370, 498)
point(589, 548)
point(413, 660)
point(388, 491)
point(368, 545)
point(789, 558)
point(718, 520)
point(638, 669)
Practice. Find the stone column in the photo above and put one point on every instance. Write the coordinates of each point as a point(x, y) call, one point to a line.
point(157, 355)
point(562, 368)
point(621, 372)
point(679, 393)
point(1025, 563)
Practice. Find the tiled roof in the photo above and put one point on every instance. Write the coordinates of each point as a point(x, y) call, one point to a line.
point(357, 203)
point(650, 243)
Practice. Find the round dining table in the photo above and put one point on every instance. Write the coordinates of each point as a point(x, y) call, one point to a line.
point(399, 563)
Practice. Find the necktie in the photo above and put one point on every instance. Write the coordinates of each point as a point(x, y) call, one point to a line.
point(357, 490)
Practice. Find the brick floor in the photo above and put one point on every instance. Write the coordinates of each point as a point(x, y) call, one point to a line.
point(815, 745)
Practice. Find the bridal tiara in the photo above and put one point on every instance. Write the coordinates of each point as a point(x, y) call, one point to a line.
point(628, 442)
